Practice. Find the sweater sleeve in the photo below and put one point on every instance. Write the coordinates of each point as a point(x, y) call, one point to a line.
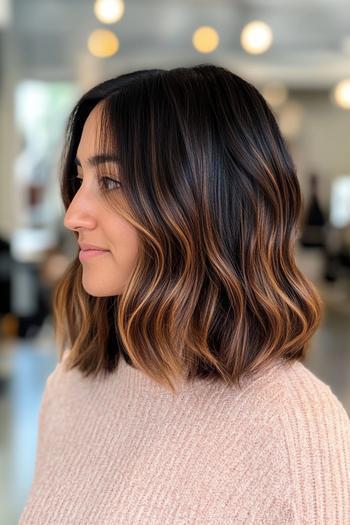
point(317, 434)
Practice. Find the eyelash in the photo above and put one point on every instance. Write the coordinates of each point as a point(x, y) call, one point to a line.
point(100, 181)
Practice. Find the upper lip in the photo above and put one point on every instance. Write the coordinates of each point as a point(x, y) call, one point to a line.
point(85, 246)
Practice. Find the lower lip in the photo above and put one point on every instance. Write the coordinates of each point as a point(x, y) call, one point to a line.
point(87, 254)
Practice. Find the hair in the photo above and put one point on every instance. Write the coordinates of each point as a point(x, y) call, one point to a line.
point(213, 193)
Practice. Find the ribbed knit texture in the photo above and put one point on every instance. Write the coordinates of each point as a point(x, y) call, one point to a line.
point(122, 450)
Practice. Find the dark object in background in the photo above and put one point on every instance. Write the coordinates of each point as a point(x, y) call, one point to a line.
point(337, 253)
point(6, 262)
point(5, 297)
point(313, 233)
point(28, 301)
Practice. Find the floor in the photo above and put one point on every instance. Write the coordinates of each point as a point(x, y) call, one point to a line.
point(28, 363)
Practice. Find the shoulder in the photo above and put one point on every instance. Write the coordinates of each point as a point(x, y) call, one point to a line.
point(316, 435)
point(54, 377)
point(292, 435)
point(294, 393)
point(308, 400)
point(308, 412)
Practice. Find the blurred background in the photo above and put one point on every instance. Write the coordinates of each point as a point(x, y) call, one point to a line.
point(297, 53)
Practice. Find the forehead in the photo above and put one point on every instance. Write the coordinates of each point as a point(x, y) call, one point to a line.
point(89, 140)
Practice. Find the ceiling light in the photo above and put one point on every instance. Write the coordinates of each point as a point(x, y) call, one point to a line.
point(109, 11)
point(341, 94)
point(256, 37)
point(103, 43)
point(205, 39)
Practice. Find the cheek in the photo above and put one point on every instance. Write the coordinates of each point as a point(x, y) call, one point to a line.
point(124, 243)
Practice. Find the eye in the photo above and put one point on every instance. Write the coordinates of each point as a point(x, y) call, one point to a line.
point(76, 182)
point(109, 183)
point(106, 182)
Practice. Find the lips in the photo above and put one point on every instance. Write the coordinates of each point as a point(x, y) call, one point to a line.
point(87, 247)
point(85, 255)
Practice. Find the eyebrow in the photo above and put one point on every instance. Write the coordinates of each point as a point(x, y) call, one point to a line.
point(99, 159)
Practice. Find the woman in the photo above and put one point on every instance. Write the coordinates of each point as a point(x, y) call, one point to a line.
point(180, 396)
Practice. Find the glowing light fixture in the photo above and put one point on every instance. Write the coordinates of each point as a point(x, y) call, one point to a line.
point(256, 37)
point(205, 39)
point(341, 94)
point(6, 13)
point(103, 43)
point(340, 201)
point(109, 11)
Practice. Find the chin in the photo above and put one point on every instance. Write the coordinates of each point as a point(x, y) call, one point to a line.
point(99, 293)
point(96, 291)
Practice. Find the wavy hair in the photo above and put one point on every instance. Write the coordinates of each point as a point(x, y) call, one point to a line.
point(213, 193)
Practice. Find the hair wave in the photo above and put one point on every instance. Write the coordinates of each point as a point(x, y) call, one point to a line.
point(213, 193)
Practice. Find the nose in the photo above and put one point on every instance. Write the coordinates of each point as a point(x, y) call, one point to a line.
point(79, 214)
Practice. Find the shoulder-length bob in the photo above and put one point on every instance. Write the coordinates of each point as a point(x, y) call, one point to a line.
point(213, 193)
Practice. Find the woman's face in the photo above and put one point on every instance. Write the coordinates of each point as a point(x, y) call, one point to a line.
point(107, 273)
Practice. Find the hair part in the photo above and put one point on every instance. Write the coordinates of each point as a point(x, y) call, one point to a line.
point(209, 184)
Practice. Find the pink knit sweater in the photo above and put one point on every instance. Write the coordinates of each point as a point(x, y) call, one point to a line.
point(124, 451)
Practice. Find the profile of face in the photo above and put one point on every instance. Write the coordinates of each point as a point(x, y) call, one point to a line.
point(106, 273)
